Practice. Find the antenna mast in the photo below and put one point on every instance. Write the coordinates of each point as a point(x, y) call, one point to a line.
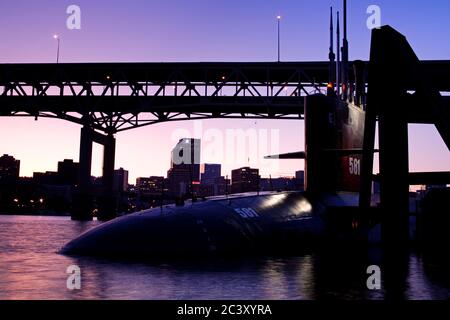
point(345, 62)
point(338, 62)
point(332, 57)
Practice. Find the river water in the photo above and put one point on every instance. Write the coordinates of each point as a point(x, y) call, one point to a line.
point(32, 268)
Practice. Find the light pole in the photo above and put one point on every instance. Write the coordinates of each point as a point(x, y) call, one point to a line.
point(222, 85)
point(56, 37)
point(278, 21)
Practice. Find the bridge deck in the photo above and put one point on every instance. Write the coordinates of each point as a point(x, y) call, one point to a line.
point(127, 95)
point(275, 72)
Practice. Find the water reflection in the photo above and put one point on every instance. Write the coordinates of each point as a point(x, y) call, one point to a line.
point(31, 269)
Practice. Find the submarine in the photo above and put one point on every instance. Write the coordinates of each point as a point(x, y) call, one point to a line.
point(264, 222)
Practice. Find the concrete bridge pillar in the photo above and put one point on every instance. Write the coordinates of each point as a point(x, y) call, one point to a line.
point(394, 169)
point(86, 141)
point(392, 67)
point(86, 194)
point(107, 201)
point(83, 202)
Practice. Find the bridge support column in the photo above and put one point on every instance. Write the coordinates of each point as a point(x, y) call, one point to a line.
point(394, 169)
point(394, 196)
point(393, 68)
point(83, 198)
point(108, 200)
point(86, 193)
point(85, 157)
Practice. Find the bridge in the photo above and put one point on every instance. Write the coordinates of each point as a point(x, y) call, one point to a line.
point(108, 98)
point(114, 97)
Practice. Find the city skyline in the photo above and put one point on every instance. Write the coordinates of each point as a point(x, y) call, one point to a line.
point(56, 192)
point(132, 181)
point(251, 37)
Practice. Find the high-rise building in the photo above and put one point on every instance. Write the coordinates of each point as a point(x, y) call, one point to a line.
point(67, 175)
point(49, 178)
point(9, 177)
point(120, 180)
point(179, 181)
point(150, 185)
point(9, 167)
point(244, 180)
point(220, 186)
point(186, 155)
point(68, 172)
point(209, 173)
point(184, 170)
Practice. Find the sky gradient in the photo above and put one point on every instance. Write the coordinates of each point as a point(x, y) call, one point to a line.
point(198, 30)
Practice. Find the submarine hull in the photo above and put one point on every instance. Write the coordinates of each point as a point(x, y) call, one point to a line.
point(247, 224)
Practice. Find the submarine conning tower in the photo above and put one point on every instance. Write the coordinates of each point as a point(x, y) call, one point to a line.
point(394, 89)
point(334, 124)
point(334, 135)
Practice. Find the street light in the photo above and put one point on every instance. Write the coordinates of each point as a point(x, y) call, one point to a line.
point(56, 37)
point(222, 85)
point(278, 21)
